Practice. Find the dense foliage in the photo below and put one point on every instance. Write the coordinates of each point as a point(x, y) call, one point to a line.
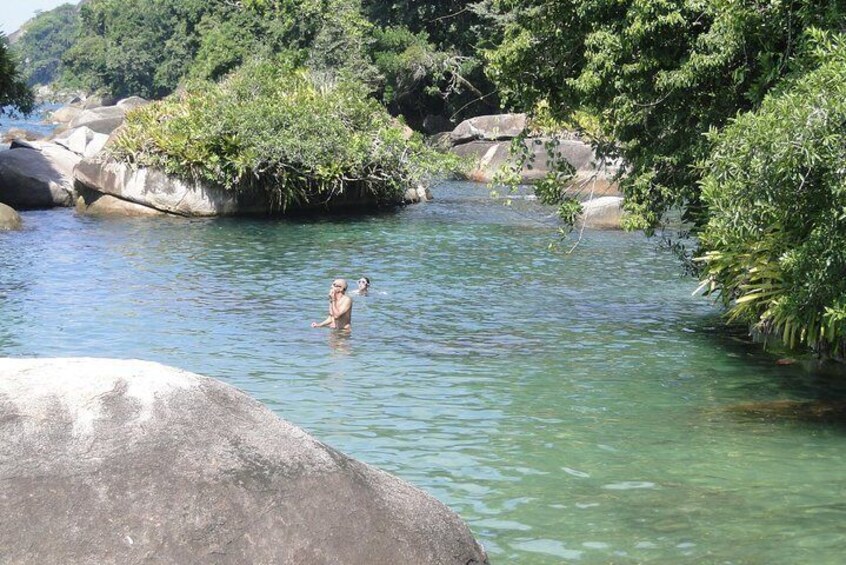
point(727, 110)
point(271, 127)
point(14, 92)
point(724, 110)
point(43, 41)
point(419, 59)
point(657, 74)
point(775, 188)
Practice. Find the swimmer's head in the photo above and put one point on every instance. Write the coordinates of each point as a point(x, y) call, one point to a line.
point(340, 284)
point(363, 283)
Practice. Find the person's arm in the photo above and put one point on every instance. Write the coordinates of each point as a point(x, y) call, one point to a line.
point(330, 320)
point(339, 307)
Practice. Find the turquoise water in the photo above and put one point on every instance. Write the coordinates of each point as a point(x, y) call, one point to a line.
point(570, 408)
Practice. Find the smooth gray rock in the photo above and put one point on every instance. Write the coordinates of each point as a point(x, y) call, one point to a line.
point(485, 158)
point(97, 204)
point(101, 120)
point(9, 218)
point(107, 461)
point(489, 128)
point(66, 114)
point(156, 190)
point(82, 140)
point(605, 212)
point(98, 101)
point(39, 175)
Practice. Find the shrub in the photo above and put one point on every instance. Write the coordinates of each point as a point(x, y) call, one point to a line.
point(775, 187)
point(269, 127)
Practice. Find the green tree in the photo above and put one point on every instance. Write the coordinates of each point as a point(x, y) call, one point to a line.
point(273, 128)
point(42, 42)
point(657, 75)
point(14, 92)
point(774, 246)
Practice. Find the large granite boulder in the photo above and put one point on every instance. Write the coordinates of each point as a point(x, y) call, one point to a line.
point(101, 120)
point(485, 158)
point(9, 218)
point(83, 141)
point(489, 128)
point(153, 189)
point(66, 114)
point(132, 102)
point(150, 188)
point(107, 461)
point(98, 100)
point(37, 175)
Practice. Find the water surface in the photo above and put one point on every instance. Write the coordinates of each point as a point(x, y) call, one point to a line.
point(569, 408)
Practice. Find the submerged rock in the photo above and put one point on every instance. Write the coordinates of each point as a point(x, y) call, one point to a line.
point(826, 410)
point(108, 461)
point(9, 218)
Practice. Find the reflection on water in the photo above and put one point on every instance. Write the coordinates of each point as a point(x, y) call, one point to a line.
point(572, 408)
point(340, 341)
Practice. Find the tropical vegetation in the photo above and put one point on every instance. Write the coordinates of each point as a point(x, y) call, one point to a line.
point(725, 111)
point(715, 107)
point(272, 127)
point(418, 58)
point(42, 42)
point(774, 246)
point(14, 92)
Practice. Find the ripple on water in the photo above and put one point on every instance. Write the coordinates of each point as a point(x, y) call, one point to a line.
point(630, 485)
point(530, 391)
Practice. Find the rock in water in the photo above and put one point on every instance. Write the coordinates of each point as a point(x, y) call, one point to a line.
point(9, 218)
point(107, 461)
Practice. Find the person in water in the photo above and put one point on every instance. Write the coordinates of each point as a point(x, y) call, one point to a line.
point(340, 308)
point(363, 285)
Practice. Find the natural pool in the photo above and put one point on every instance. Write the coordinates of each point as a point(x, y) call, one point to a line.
point(569, 408)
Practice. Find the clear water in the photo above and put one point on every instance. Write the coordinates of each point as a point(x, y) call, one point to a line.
point(569, 408)
point(35, 122)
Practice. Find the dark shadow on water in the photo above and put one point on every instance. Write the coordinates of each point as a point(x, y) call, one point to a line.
point(810, 390)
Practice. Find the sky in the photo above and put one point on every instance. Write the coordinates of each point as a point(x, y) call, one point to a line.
point(15, 12)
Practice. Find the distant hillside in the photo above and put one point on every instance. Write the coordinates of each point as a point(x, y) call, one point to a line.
point(40, 43)
point(419, 59)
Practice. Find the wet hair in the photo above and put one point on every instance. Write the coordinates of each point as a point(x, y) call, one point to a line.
point(365, 279)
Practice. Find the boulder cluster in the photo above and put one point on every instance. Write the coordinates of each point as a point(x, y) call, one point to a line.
point(485, 142)
point(71, 169)
point(40, 173)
